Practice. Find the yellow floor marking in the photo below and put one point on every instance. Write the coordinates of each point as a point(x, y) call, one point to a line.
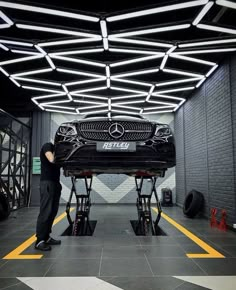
point(16, 253)
point(211, 253)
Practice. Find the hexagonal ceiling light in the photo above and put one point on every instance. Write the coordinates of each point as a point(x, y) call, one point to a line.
point(107, 63)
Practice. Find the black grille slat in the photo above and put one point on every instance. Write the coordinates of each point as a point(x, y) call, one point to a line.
point(98, 130)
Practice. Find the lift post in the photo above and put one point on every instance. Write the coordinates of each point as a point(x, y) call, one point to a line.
point(145, 225)
point(81, 225)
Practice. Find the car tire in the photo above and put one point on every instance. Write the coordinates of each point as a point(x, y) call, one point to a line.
point(193, 203)
point(4, 206)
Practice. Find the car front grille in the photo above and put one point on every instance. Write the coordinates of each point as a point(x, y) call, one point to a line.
point(99, 130)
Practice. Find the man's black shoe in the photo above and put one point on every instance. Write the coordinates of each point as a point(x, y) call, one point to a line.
point(42, 246)
point(53, 242)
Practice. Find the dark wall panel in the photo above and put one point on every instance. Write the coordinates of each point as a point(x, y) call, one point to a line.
point(209, 137)
point(180, 166)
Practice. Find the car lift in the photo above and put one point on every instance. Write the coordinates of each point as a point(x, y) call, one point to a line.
point(145, 225)
point(81, 225)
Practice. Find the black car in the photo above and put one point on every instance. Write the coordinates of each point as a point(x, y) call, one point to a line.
point(129, 144)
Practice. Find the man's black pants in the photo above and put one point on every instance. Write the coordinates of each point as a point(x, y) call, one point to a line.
point(50, 193)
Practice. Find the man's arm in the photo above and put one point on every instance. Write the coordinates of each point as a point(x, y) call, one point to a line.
point(50, 156)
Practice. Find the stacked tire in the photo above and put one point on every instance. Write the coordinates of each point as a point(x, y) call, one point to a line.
point(193, 203)
point(4, 206)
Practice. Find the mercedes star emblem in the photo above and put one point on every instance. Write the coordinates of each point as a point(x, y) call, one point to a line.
point(116, 130)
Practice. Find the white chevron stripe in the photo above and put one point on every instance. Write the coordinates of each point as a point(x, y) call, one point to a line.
point(70, 283)
point(113, 196)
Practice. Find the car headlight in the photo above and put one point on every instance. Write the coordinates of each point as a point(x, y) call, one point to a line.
point(162, 131)
point(67, 130)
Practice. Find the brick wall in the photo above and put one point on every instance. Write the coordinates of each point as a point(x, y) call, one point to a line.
point(206, 160)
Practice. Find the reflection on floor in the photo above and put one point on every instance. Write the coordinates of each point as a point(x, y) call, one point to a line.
point(114, 258)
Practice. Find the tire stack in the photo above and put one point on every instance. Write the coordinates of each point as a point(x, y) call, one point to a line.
point(193, 203)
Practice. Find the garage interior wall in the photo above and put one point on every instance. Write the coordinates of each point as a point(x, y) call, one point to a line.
point(106, 188)
point(205, 132)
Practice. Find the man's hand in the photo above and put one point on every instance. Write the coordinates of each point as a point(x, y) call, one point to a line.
point(50, 156)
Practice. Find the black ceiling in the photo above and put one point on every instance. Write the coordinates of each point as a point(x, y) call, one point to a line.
point(145, 42)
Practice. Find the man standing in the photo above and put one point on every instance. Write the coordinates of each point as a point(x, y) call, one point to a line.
point(50, 192)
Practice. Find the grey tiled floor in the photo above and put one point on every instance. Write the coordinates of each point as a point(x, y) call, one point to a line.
point(114, 254)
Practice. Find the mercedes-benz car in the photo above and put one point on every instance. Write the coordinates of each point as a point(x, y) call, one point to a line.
point(128, 144)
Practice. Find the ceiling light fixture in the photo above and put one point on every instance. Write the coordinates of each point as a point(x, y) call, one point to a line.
point(58, 107)
point(89, 90)
point(225, 3)
point(55, 102)
point(130, 102)
point(88, 96)
point(103, 26)
point(4, 72)
point(162, 103)
point(135, 51)
point(152, 30)
point(16, 42)
point(60, 111)
point(50, 96)
point(132, 82)
point(177, 82)
point(50, 62)
point(40, 89)
point(192, 59)
point(105, 43)
point(32, 72)
point(37, 81)
point(136, 73)
point(48, 11)
point(94, 112)
point(55, 30)
point(175, 90)
point(20, 59)
point(216, 28)
point(158, 112)
point(85, 81)
point(178, 72)
point(200, 82)
point(167, 97)
point(150, 93)
point(24, 52)
point(156, 10)
point(108, 83)
point(141, 42)
point(207, 51)
point(124, 112)
point(203, 12)
point(15, 82)
point(159, 107)
point(4, 47)
point(180, 104)
point(210, 42)
point(126, 90)
point(211, 70)
point(93, 50)
point(163, 62)
point(126, 107)
point(129, 96)
point(140, 59)
point(108, 73)
point(6, 19)
point(79, 73)
point(77, 60)
point(69, 41)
